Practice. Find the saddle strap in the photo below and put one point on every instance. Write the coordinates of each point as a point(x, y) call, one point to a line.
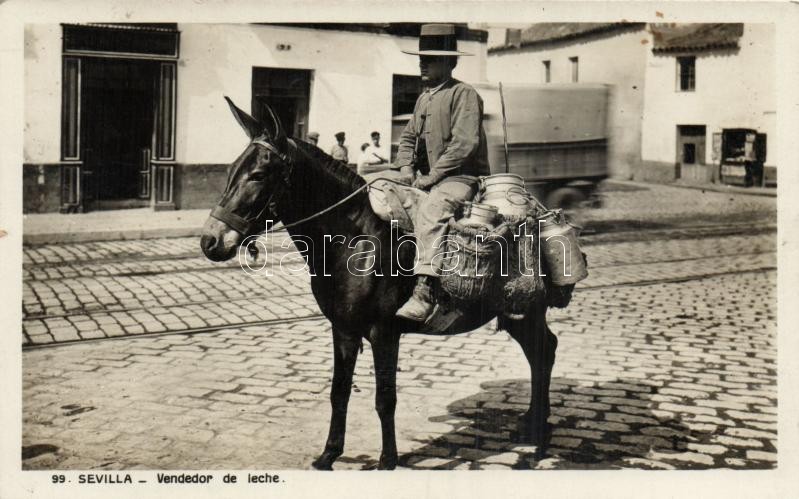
point(397, 209)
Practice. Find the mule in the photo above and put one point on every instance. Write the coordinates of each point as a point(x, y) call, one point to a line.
point(279, 178)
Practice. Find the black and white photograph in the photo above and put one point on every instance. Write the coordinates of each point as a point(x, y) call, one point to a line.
point(272, 244)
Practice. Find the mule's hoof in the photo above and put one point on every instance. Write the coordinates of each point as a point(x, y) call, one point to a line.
point(321, 466)
point(387, 463)
point(534, 436)
point(323, 463)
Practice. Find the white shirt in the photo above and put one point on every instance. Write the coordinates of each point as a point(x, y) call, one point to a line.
point(371, 156)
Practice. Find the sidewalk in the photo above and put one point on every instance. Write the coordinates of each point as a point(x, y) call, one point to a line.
point(731, 189)
point(142, 223)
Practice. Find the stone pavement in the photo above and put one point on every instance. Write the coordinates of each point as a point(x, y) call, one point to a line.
point(674, 375)
point(650, 204)
point(73, 301)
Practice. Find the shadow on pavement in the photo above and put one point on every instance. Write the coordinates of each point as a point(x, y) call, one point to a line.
point(484, 421)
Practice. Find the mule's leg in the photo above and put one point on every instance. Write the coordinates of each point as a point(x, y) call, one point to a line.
point(538, 344)
point(345, 353)
point(385, 348)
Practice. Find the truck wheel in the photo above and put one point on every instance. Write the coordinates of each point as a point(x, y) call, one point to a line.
point(566, 198)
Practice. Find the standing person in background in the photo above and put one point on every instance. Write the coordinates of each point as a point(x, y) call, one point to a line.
point(313, 138)
point(372, 156)
point(375, 150)
point(339, 150)
point(363, 159)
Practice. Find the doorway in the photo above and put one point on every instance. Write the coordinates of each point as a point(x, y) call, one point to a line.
point(691, 153)
point(117, 114)
point(287, 92)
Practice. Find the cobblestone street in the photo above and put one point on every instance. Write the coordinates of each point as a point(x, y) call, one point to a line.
point(142, 354)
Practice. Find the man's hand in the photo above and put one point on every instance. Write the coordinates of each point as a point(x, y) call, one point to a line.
point(425, 182)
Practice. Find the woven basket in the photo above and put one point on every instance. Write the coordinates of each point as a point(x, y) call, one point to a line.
point(522, 287)
point(472, 264)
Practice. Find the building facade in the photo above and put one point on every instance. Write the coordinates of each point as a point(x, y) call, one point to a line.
point(684, 97)
point(704, 83)
point(121, 116)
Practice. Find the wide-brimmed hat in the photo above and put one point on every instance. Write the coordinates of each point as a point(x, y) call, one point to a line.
point(438, 40)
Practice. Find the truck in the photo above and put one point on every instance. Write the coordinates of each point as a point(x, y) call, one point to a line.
point(556, 134)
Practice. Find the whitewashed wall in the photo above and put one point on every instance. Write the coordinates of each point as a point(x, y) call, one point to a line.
point(351, 86)
point(350, 91)
point(616, 59)
point(42, 138)
point(733, 90)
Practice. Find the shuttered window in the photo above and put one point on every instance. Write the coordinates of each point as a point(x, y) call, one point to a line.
point(686, 73)
point(165, 117)
point(70, 110)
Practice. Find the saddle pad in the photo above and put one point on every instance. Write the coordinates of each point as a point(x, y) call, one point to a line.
point(391, 201)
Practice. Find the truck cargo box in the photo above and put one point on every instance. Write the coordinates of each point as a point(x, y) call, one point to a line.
point(554, 131)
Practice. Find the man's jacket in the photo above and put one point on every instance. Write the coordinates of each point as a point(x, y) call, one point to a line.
point(451, 121)
point(340, 153)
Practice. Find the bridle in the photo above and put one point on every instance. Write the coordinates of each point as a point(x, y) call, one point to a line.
point(245, 226)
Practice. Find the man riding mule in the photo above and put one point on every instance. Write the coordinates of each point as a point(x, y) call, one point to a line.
point(444, 144)
point(315, 197)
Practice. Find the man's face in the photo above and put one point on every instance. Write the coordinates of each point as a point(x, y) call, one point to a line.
point(376, 140)
point(434, 69)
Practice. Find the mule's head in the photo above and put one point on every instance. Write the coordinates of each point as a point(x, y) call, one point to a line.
point(256, 180)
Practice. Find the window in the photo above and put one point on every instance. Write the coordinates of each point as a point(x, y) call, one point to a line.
point(547, 73)
point(575, 69)
point(405, 91)
point(686, 73)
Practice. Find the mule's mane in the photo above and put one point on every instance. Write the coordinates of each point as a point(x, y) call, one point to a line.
point(340, 172)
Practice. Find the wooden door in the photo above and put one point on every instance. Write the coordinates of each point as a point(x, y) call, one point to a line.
point(691, 152)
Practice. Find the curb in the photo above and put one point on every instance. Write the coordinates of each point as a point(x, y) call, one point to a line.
point(729, 189)
point(109, 235)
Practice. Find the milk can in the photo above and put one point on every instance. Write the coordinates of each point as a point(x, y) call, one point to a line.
point(506, 192)
point(560, 250)
point(479, 215)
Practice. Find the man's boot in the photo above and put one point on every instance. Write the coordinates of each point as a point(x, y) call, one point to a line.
point(420, 305)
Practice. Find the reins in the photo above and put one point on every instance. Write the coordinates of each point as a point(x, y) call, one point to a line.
point(336, 204)
point(244, 225)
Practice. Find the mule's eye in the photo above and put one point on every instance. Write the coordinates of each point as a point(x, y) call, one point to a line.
point(258, 176)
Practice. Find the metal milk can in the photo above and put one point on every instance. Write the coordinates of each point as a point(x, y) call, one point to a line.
point(506, 191)
point(479, 215)
point(560, 249)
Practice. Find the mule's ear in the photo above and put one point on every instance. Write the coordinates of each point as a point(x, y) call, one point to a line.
point(277, 135)
point(250, 125)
